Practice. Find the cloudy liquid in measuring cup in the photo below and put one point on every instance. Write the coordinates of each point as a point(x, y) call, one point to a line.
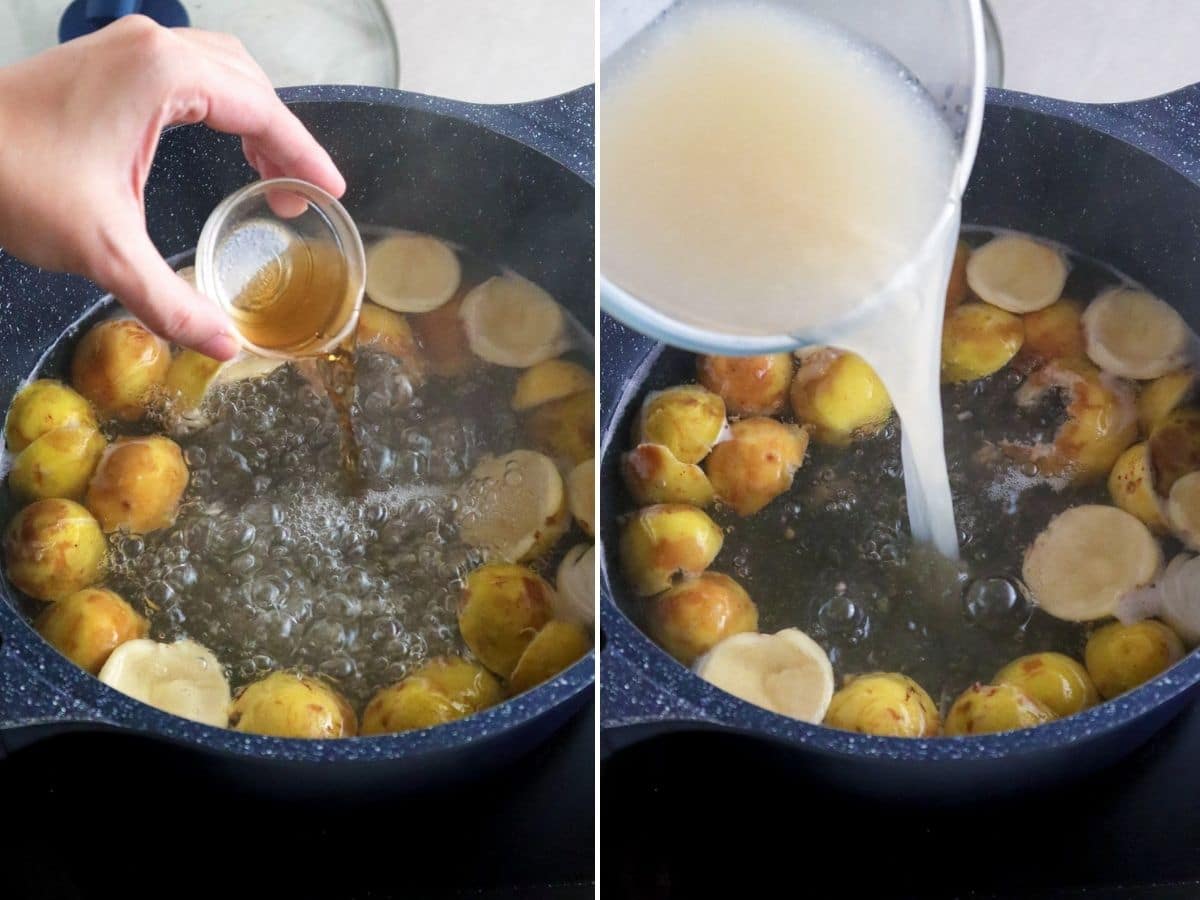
point(764, 174)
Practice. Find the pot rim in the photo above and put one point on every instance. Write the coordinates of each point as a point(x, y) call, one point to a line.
point(559, 128)
point(70, 696)
point(690, 700)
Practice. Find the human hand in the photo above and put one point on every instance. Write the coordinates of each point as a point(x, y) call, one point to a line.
point(79, 125)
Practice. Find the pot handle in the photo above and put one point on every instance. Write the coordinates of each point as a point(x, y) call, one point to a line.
point(85, 16)
point(561, 127)
point(633, 708)
point(31, 708)
point(1173, 118)
point(1166, 126)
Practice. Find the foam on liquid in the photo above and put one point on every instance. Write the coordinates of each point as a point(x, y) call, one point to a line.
point(764, 174)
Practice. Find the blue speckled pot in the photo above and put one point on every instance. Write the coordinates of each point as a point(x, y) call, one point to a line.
point(514, 184)
point(1117, 182)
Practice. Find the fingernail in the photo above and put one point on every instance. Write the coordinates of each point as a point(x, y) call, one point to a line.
point(220, 346)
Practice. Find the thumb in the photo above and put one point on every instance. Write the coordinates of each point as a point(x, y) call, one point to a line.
point(144, 284)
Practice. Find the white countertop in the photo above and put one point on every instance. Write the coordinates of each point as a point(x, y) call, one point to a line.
point(498, 51)
point(1090, 50)
point(1099, 50)
point(494, 51)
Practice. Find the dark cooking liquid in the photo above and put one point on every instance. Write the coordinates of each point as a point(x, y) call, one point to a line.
point(275, 562)
point(834, 558)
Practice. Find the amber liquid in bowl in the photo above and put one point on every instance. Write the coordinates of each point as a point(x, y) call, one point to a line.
point(299, 302)
point(303, 303)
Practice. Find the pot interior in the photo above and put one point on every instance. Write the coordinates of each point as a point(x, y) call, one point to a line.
point(405, 168)
point(1052, 178)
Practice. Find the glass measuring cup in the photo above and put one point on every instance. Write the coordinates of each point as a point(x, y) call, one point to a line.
point(284, 259)
point(940, 43)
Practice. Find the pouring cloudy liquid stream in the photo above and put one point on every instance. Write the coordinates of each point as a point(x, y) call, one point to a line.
point(765, 174)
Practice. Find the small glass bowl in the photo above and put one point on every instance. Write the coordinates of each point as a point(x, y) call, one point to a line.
point(255, 227)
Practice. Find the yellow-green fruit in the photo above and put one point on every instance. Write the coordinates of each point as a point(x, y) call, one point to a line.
point(138, 484)
point(463, 681)
point(693, 617)
point(1101, 420)
point(756, 464)
point(118, 365)
point(581, 495)
point(285, 704)
point(443, 338)
point(654, 475)
point(42, 406)
point(749, 385)
point(883, 703)
point(188, 379)
point(1055, 332)
point(839, 396)
point(552, 379)
point(1131, 486)
point(1056, 681)
point(957, 290)
point(985, 708)
point(89, 625)
point(1175, 448)
point(58, 464)
point(1164, 395)
point(501, 609)
point(1120, 657)
point(444, 689)
point(664, 542)
point(687, 420)
point(979, 339)
point(383, 329)
point(565, 428)
point(556, 646)
point(53, 548)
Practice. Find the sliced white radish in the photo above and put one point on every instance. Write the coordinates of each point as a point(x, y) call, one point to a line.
point(183, 678)
point(1174, 598)
point(575, 599)
point(1183, 510)
point(245, 366)
point(786, 672)
point(412, 273)
point(1135, 335)
point(1087, 559)
point(514, 506)
point(1017, 274)
point(510, 321)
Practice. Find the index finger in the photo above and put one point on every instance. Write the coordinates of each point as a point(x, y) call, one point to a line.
point(237, 104)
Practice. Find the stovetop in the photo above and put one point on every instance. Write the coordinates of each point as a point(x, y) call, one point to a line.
point(103, 815)
point(685, 813)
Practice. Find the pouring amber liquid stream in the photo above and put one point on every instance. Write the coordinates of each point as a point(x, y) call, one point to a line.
point(297, 305)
